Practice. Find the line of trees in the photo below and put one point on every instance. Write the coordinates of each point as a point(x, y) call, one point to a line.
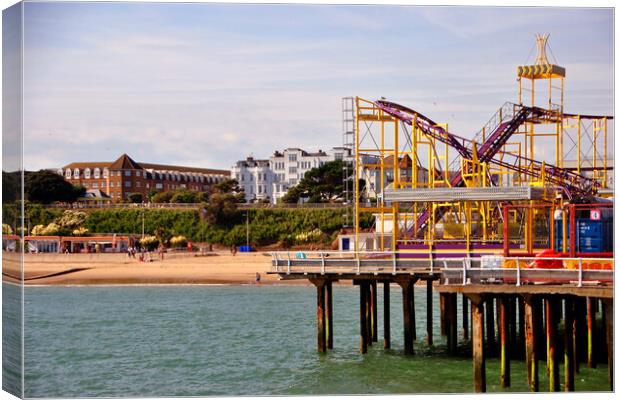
point(42, 187)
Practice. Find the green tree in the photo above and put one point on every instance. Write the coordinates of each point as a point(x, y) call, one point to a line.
point(220, 208)
point(322, 184)
point(162, 197)
point(230, 186)
point(10, 186)
point(184, 196)
point(46, 187)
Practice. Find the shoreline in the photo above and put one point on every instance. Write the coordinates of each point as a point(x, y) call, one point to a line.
point(120, 270)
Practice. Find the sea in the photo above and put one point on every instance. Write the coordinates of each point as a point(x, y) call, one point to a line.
point(137, 341)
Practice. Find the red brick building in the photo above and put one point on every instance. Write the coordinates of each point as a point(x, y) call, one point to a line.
point(123, 177)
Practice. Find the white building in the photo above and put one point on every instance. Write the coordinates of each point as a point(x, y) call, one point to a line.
point(270, 179)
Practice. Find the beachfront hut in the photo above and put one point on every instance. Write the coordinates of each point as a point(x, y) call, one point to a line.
point(42, 244)
point(92, 244)
point(9, 242)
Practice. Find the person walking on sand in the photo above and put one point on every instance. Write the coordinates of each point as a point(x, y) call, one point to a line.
point(257, 279)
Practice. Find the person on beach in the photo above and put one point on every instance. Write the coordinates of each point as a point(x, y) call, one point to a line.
point(257, 279)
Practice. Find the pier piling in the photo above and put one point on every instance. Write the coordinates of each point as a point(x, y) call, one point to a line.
point(521, 335)
point(569, 351)
point(363, 324)
point(609, 335)
point(373, 309)
point(386, 315)
point(530, 311)
point(429, 312)
point(477, 322)
point(512, 325)
point(320, 316)
point(490, 326)
point(552, 362)
point(408, 336)
point(368, 306)
point(414, 336)
point(465, 316)
point(591, 323)
point(539, 328)
point(442, 314)
point(329, 314)
point(504, 347)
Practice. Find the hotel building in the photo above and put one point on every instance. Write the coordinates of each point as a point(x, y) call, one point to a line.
point(270, 179)
point(123, 177)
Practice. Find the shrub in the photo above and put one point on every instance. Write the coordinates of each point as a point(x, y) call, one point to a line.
point(80, 232)
point(6, 229)
point(184, 196)
point(42, 230)
point(178, 241)
point(37, 230)
point(71, 220)
point(307, 237)
point(162, 197)
point(149, 242)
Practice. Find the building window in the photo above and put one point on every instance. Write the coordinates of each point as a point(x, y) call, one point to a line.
point(137, 173)
point(106, 172)
point(127, 173)
point(138, 184)
point(127, 183)
point(85, 184)
point(159, 186)
point(338, 156)
point(68, 173)
point(292, 170)
point(76, 173)
point(97, 173)
point(95, 185)
point(87, 173)
point(103, 184)
point(292, 157)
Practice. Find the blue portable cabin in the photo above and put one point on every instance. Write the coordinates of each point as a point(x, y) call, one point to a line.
point(593, 236)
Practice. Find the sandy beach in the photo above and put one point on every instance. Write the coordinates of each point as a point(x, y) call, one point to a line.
point(102, 269)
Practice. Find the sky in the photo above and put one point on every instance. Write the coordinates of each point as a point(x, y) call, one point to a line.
point(206, 85)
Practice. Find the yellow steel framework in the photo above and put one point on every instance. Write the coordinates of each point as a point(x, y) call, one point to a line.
point(398, 156)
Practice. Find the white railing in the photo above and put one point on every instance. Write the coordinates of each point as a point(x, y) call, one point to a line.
point(463, 270)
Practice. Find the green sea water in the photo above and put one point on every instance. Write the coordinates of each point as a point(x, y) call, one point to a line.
point(233, 340)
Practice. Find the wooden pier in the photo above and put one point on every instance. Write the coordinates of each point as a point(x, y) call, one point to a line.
point(512, 315)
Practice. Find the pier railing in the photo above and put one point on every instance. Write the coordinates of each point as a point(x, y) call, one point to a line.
point(461, 270)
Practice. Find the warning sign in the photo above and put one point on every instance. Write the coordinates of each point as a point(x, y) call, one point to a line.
point(595, 214)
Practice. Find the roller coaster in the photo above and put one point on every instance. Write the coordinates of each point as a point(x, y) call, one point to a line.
point(419, 166)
